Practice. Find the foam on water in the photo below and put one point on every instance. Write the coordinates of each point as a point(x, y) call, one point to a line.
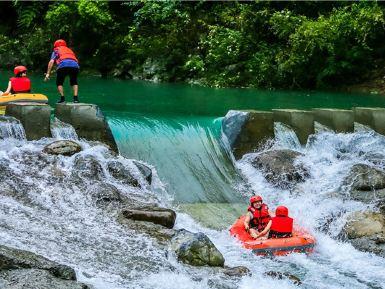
point(46, 209)
point(320, 204)
point(62, 130)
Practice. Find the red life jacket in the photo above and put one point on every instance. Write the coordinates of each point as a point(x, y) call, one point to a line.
point(64, 53)
point(261, 217)
point(20, 84)
point(281, 227)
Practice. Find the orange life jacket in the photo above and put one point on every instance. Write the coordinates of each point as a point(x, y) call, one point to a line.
point(261, 217)
point(64, 53)
point(281, 227)
point(20, 84)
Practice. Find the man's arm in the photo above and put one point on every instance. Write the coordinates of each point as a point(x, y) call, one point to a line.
point(246, 223)
point(264, 231)
point(49, 68)
point(8, 89)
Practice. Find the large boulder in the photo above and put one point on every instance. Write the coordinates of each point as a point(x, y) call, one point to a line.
point(11, 258)
point(35, 279)
point(279, 167)
point(105, 194)
point(88, 167)
point(160, 216)
point(121, 173)
point(366, 231)
point(196, 249)
point(365, 183)
point(62, 147)
point(88, 122)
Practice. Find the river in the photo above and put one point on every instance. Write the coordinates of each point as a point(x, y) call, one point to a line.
point(176, 128)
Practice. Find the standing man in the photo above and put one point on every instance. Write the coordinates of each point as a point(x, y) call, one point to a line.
point(67, 64)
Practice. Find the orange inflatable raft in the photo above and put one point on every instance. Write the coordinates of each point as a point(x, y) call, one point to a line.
point(301, 242)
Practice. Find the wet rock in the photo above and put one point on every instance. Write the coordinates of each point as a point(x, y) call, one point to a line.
point(121, 173)
point(145, 170)
point(88, 167)
point(376, 196)
point(238, 271)
point(365, 183)
point(104, 194)
point(280, 275)
point(160, 216)
point(62, 147)
point(196, 249)
point(366, 231)
point(365, 178)
point(159, 233)
point(36, 279)
point(88, 122)
point(279, 167)
point(11, 258)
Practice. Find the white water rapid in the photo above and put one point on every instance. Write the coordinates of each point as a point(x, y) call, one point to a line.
point(63, 208)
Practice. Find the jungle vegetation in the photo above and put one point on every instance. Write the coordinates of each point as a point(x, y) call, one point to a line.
point(223, 44)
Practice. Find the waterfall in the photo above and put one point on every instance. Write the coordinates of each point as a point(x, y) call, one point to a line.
point(285, 136)
point(11, 127)
point(62, 130)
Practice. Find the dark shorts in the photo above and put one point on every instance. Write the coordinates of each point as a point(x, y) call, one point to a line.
point(72, 72)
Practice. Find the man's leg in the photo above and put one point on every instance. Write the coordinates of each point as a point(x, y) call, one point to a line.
point(75, 89)
point(59, 83)
point(74, 82)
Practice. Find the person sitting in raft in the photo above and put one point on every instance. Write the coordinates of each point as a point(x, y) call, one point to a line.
point(20, 83)
point(258, 219)
point(282, 224)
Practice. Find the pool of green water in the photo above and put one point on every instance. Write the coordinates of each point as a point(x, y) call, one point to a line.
point(177, 127)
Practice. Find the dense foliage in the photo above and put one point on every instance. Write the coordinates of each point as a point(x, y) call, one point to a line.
point(247, 44)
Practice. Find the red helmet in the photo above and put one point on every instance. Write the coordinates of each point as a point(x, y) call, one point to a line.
point(59, 42)
point(254, 199)
point(281, 211)
point(19, 69)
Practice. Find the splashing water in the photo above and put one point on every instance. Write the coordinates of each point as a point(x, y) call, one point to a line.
point(50, 205)
point(10, 127)
point(62, 130)
point(285, 136)
point(320, 205)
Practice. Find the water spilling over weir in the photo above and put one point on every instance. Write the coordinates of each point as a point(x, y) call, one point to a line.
point(53, 206)
point(49, 210)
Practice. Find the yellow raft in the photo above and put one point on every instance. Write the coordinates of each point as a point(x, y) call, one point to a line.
point(21, 97)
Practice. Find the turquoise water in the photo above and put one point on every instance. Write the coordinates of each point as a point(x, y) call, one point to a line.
point(115, 95)
point(176, 127)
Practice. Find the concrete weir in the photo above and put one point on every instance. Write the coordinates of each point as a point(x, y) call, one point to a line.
point(339, 120)
point(34, 117)
point(301, 121)
point(247, 130)
point(88, 121)
point(373, 117)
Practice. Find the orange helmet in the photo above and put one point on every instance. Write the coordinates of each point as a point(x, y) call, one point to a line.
point(254, 199)
point(59, 42)
point(19, 69)
point(281, 211)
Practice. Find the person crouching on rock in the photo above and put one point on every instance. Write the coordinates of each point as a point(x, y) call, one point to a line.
point(67, 64)
point(20, 83)
point(282, 224)
point(258, 219)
